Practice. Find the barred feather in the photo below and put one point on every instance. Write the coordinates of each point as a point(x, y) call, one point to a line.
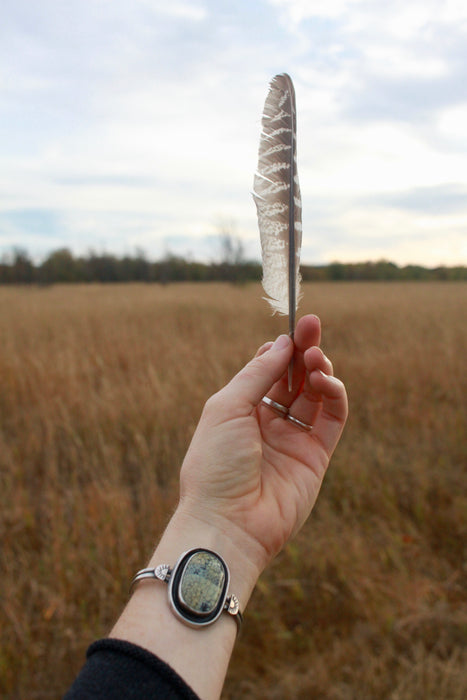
point(278, 201)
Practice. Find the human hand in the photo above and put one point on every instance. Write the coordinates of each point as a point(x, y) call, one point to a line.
point(247, 484)
point(248, 471)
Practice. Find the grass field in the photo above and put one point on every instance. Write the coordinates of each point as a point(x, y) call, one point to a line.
point(101, 388)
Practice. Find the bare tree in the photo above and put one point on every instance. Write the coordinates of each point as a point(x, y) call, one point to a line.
point(232, 250)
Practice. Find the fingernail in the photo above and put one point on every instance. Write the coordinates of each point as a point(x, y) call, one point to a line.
point(264, 348)
point(329, 377)
point(281, 342)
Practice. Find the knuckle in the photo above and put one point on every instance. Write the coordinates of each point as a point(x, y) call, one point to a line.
point(212, 405)
point(255, 368)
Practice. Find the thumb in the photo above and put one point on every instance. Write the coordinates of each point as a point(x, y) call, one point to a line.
point(244, 392)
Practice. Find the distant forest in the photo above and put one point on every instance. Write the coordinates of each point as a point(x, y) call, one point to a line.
point(62, 266)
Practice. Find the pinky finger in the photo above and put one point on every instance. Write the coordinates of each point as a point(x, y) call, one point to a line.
point(329, 423)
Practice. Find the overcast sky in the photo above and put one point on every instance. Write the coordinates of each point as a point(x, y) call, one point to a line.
point(135, 123)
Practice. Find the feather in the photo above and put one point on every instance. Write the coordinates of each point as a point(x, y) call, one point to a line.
point(277, 196)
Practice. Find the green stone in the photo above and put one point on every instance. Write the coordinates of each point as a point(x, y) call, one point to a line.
point(202, 584)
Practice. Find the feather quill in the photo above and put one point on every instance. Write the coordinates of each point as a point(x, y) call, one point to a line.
point(276, 193)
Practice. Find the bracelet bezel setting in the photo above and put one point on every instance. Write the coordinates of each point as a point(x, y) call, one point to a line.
point(194, 608)
point(198, 587)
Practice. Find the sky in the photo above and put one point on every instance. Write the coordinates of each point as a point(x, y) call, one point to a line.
point(134, 124)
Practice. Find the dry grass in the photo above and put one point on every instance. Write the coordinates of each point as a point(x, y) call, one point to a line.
point(101, 389)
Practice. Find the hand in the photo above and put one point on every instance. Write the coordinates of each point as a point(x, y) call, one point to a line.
point(248, 482)
point(250, 472)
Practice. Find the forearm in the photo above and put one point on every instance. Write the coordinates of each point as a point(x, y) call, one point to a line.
point(247, 484)
point(200, 656)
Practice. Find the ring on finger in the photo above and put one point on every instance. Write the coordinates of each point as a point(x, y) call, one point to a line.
point(300, 424)
point(276, 407)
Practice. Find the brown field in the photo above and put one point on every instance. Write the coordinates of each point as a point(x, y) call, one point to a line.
point(101, 387)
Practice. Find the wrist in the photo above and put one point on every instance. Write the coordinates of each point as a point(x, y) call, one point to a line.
point(188, 531)
point(149, 622)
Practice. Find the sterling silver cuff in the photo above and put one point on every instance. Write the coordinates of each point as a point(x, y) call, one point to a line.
point(198, 587)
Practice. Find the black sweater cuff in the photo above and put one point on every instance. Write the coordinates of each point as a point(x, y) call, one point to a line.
point(119, 670)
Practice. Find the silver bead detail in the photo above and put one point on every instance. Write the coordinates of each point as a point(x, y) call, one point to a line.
point(232, 605)
point(162, 572)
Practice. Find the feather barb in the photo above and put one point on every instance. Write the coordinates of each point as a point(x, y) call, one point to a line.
point(278, 202)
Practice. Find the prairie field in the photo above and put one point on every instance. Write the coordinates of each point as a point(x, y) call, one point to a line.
point(101, 388)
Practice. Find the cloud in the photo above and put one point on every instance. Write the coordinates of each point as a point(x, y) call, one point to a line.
point(138, 122)
point(404, 99)
point(401, 61)
point(440, 200)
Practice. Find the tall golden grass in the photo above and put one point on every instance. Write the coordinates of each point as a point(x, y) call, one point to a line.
point(101, 388)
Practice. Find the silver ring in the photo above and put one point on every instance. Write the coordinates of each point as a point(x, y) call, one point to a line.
point(276, 407)
point(303, 426)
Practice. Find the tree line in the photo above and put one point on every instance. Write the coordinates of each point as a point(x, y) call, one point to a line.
point(61, 266)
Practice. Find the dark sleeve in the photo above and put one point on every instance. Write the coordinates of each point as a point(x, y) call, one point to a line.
point(118, 670)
